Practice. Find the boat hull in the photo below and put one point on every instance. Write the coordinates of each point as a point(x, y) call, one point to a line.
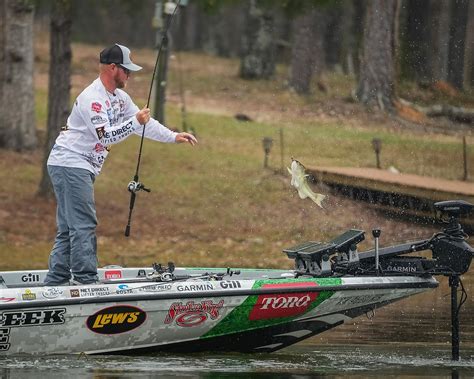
point(259, 312)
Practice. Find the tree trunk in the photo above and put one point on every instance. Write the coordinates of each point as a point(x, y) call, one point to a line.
point(307, 55)
point(377, 80)
point(59, 81)
point(457, 38)
point(357, 31)
point(17, 123)
point(439, 25)
point(469, 54)
point(348, 34)
point(258, 45)
point(337, 19)
point(417, 41)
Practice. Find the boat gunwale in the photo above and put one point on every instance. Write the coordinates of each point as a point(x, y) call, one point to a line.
point(121, 298)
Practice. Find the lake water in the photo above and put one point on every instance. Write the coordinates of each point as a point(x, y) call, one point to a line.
point(324, 361)
point(408, 339)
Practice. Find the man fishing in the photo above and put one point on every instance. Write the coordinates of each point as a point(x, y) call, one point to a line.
point(102, 115)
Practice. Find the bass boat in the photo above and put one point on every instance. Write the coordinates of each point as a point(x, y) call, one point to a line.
point(168, 308)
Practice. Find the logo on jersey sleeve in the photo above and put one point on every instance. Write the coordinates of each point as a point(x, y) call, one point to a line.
point(100, 132)
point(96, 107)
point(97, 120)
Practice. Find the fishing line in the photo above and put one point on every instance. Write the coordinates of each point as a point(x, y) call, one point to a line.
point(134, 186)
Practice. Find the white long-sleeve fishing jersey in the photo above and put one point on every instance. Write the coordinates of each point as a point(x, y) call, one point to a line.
point(100, 119)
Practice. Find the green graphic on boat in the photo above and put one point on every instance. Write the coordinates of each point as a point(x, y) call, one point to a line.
point(239, 319)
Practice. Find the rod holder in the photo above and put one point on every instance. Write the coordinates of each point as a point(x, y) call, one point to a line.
point(376, 233)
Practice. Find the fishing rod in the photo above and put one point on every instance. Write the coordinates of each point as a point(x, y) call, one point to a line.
point(181, 94)
point(134, 186)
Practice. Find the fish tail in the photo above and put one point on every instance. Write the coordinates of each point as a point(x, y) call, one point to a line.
point(318, 199)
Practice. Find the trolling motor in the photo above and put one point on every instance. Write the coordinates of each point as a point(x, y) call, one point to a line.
point(451, 256)
point(454, 210)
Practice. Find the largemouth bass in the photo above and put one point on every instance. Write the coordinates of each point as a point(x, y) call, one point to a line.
point(299, 181)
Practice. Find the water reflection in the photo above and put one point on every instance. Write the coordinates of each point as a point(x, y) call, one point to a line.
point(309, 361)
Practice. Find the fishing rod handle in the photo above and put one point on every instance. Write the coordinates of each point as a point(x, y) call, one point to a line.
point(132, 204)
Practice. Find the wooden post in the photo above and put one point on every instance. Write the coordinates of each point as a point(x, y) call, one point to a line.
point(377, 145)
point(267, 145)
point(281, 150)
point(464, 145)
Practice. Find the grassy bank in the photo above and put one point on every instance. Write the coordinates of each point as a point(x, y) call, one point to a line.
point(214, 204)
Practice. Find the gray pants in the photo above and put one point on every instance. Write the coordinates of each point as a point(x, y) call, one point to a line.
point(75, 247)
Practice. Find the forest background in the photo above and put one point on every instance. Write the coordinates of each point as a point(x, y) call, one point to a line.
point(328, 75)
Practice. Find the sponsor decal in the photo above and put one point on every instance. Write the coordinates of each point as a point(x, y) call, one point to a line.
point(110, 116)
point(28, 295)
point(115, 320)
point(120, 133)
point(193, 314)
point(4, 338)
point(113, 274)
point(361, 299)
point(100, 132)
point(155, 288)
point(141, 273)
point(226, 284)
point(33, 318)
point(75, 293)
point(96, 107)
point(99, 148)
point(30, 278)
point(195, 287)
point(401, 268)
point(283, 305)
point(97, 120)
point(239, 318)
point(123, 289)
point(52, 292)
point(94, 291)
point(6, 299)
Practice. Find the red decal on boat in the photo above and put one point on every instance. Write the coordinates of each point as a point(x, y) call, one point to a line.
point(283, 304)
point(113, 274)
point(191, 319)
point(192, 313)
point(6, 299)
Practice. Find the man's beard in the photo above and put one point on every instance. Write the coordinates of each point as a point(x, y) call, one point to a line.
point(119, 83)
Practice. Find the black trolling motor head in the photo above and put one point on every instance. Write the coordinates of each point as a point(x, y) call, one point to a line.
point(451, 252)
point(453, 210)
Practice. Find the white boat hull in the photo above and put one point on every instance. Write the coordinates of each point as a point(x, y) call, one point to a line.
point(259, 311)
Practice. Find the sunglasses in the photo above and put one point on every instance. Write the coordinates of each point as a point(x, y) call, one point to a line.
point(125, 70)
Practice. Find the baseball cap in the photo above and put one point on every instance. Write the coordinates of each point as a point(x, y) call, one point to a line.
point(120, 55)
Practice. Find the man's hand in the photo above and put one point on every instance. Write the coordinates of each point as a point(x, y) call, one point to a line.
point(186, 137)
point(143, 116)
